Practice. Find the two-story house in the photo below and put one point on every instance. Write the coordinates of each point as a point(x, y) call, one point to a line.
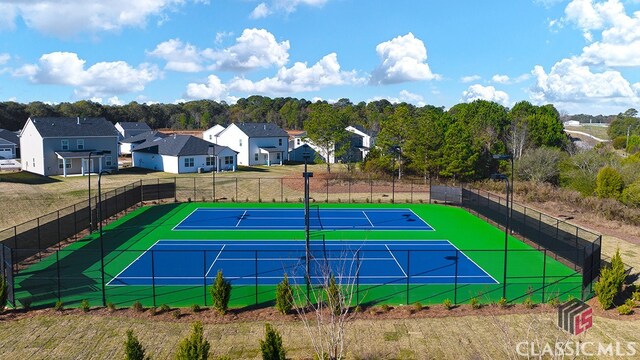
point(64, 146)
point(128, 129)
point(256, 143)
point(211, 134)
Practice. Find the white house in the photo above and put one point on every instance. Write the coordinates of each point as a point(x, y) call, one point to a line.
point(256, 143)
point(128, 129)
point(64, 146)
point(180, 154)
point(361, 140)
point(359, 144)
point(211, 134)
point(130, 143)
point(9, 144)
point(297, 140)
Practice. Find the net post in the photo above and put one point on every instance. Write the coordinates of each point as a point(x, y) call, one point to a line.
point(153, 278)
point(204, 276)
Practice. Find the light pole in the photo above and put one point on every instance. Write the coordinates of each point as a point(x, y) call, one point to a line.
point(506, 231)
point(306, 154)
point(510, 158)
point(104, 297)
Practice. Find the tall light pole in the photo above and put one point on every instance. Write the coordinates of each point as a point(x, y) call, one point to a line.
point(506, 231)
point(306, 154)
point(104, 297)
point(508, 157)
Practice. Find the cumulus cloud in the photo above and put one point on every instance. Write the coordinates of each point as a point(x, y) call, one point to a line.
point(298, 78)
point(255, 48)
point(402, 59)
point(100, 79)
point(260, 11)
point(4, 58)
point(506, 80)
point(404, 97)
point(500, 79)
point(71, 17)
point(489, 93)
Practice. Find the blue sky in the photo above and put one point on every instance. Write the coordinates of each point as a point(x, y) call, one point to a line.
point(583, 56)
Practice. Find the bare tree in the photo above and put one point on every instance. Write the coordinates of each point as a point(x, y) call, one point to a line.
point(517, 137)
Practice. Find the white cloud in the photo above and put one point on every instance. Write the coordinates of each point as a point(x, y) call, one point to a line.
point(500, 79)
point(214, 89)
point(261, 11)
point(71, 17)
point(179, 56)
point(403, 59)
point(100, 79)
point(220, 36)
point(569, 81)
point(115, 101)
point(470, 78)
point(4, 58)
point(489, 93)
point(255, 48)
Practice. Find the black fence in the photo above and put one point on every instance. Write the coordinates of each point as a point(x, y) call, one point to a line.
point(576, 247)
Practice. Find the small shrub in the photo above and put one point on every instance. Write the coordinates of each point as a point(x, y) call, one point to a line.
point(636, 295)
point(554, 301)
point(165, 308)
point(334, 296)
point(503, 303)
point(271, 347)
point(339, 201)
point(286, 200)
point(417, 306)
point(220, 292)
point(59, 306)
point(475, 303)
point(194, 347)
point(619, 142)
point(385, 308)
point(447, 304)
point(284, 296)
point(624, 309)
point(84, 305)
point(630, 303)
point(357, 309)
point(273, 200)
point(111, 306)
point(137, 306)
point(133, 350)
point(176, 314)
point(528, 303)
point(609, 183)
point(368, 200)
point(195, 308)
point(153, 311)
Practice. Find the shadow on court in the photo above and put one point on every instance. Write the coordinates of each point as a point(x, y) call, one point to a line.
point(73, 275)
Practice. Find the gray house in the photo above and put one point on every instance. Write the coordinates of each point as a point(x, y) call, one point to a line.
point(181, 154)
point(9, 145)
point(128, 129)
point(130, 143)
point(65, 146)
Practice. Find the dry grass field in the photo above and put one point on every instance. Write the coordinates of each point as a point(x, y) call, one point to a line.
point(489, 333)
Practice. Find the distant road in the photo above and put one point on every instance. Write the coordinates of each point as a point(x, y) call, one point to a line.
point(585, 134)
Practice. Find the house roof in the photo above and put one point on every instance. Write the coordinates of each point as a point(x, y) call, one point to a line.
point(9, 137)
point(142, 137)
point(61, 127)
point(180, 145)
point(262, 130)
point(127, 125)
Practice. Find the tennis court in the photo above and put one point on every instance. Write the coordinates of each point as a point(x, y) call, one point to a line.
point(170, 262)
point(294, 219)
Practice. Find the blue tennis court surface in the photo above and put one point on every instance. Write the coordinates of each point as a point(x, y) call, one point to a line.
point(293, 219)
point(196, 262)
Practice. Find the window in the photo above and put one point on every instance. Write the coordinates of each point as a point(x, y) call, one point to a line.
point(210, 136)
point(33, 162)
point(279, 142)
point(80, 144)
point(188, 162)
point(209, 161)
point(107, 160)
point(256, 158)
point(65, 144)
point(64, 162)
point(240, 142)
point(228, 160)
point(278, 156)
point(298, 141)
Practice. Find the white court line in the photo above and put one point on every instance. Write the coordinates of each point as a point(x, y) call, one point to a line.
point(369, 220)
point(214, 260)
point(303, 277)
point(300, 258)
point(131, 263)
point(241, 217)
point(479, 267)
point(183, 220)
point(394, 258)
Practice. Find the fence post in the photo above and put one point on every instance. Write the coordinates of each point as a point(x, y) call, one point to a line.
point(544, 273)
point(195, 197)
point(58, 229)
point(455, 278)
point(575, 265)
point(158, 190)
point(281, 190)
point(408, 274)
point(58, 273)
point(370, 188)
point(259, 197)
point(15, 237)
point(327, 190)
point(237, 200)
point(204, 275)
point(153, 278)
point(349, 187)
point(39, 245)
point(175, 190)
point(411, 190)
